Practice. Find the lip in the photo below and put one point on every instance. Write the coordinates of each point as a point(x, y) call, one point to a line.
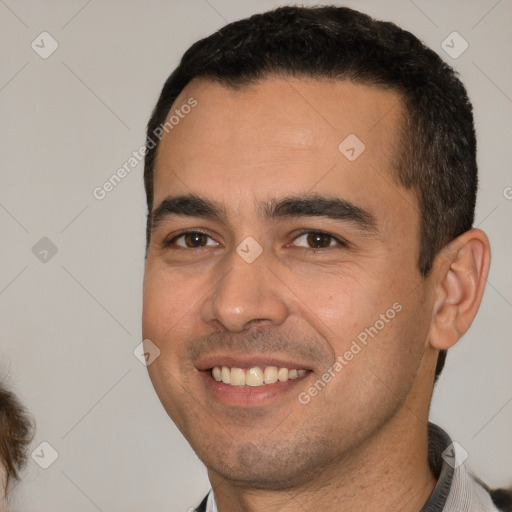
point(247, 396)
point(249, 361)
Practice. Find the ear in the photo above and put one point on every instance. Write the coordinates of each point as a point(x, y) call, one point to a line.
point(460, 274)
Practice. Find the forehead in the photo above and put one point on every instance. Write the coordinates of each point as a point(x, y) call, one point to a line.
point(292, 134)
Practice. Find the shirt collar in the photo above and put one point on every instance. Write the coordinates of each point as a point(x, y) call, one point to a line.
point(438, 442)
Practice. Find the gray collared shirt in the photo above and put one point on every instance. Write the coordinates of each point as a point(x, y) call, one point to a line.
point(457, 490)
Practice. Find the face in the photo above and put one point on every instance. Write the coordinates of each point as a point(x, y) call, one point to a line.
point(274, 247)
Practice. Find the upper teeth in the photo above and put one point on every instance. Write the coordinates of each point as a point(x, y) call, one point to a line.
point(255, 376)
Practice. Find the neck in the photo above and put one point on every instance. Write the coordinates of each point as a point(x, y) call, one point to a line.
point(389, 472)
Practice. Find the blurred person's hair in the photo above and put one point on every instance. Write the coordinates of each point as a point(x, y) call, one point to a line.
point(16, 433)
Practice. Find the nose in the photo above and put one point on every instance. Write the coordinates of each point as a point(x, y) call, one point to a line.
point(246, 294)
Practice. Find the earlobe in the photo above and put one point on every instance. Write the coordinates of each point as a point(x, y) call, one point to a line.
point(462, 269)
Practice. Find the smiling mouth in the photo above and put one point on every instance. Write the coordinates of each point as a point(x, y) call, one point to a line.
point(255, 376)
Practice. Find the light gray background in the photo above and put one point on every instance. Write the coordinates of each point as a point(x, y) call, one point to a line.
point(69, 325)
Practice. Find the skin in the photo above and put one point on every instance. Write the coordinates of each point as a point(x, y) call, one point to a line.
point(3, 479)
point(361, 442)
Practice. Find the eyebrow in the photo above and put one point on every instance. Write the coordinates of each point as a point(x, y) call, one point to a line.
point(188, 205)
point(320, 206)
point(192, 205)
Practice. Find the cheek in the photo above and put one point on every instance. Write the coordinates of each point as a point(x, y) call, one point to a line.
point(394, 352)
point(373, 319)
point(343, 304)
point(170, 317)
point(168, 302)
point(166, 321)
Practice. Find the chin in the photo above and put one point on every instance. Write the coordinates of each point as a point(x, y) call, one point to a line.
point(267, 466)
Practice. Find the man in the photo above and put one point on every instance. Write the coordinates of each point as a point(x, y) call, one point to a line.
point(311, 180)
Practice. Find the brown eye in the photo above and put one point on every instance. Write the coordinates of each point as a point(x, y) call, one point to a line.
point(195, 239)
point(316, 240)
point(319, 240)
point(192, 240)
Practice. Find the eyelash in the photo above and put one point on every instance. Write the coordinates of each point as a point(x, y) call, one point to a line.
point(339, 241)
point(171, 242)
